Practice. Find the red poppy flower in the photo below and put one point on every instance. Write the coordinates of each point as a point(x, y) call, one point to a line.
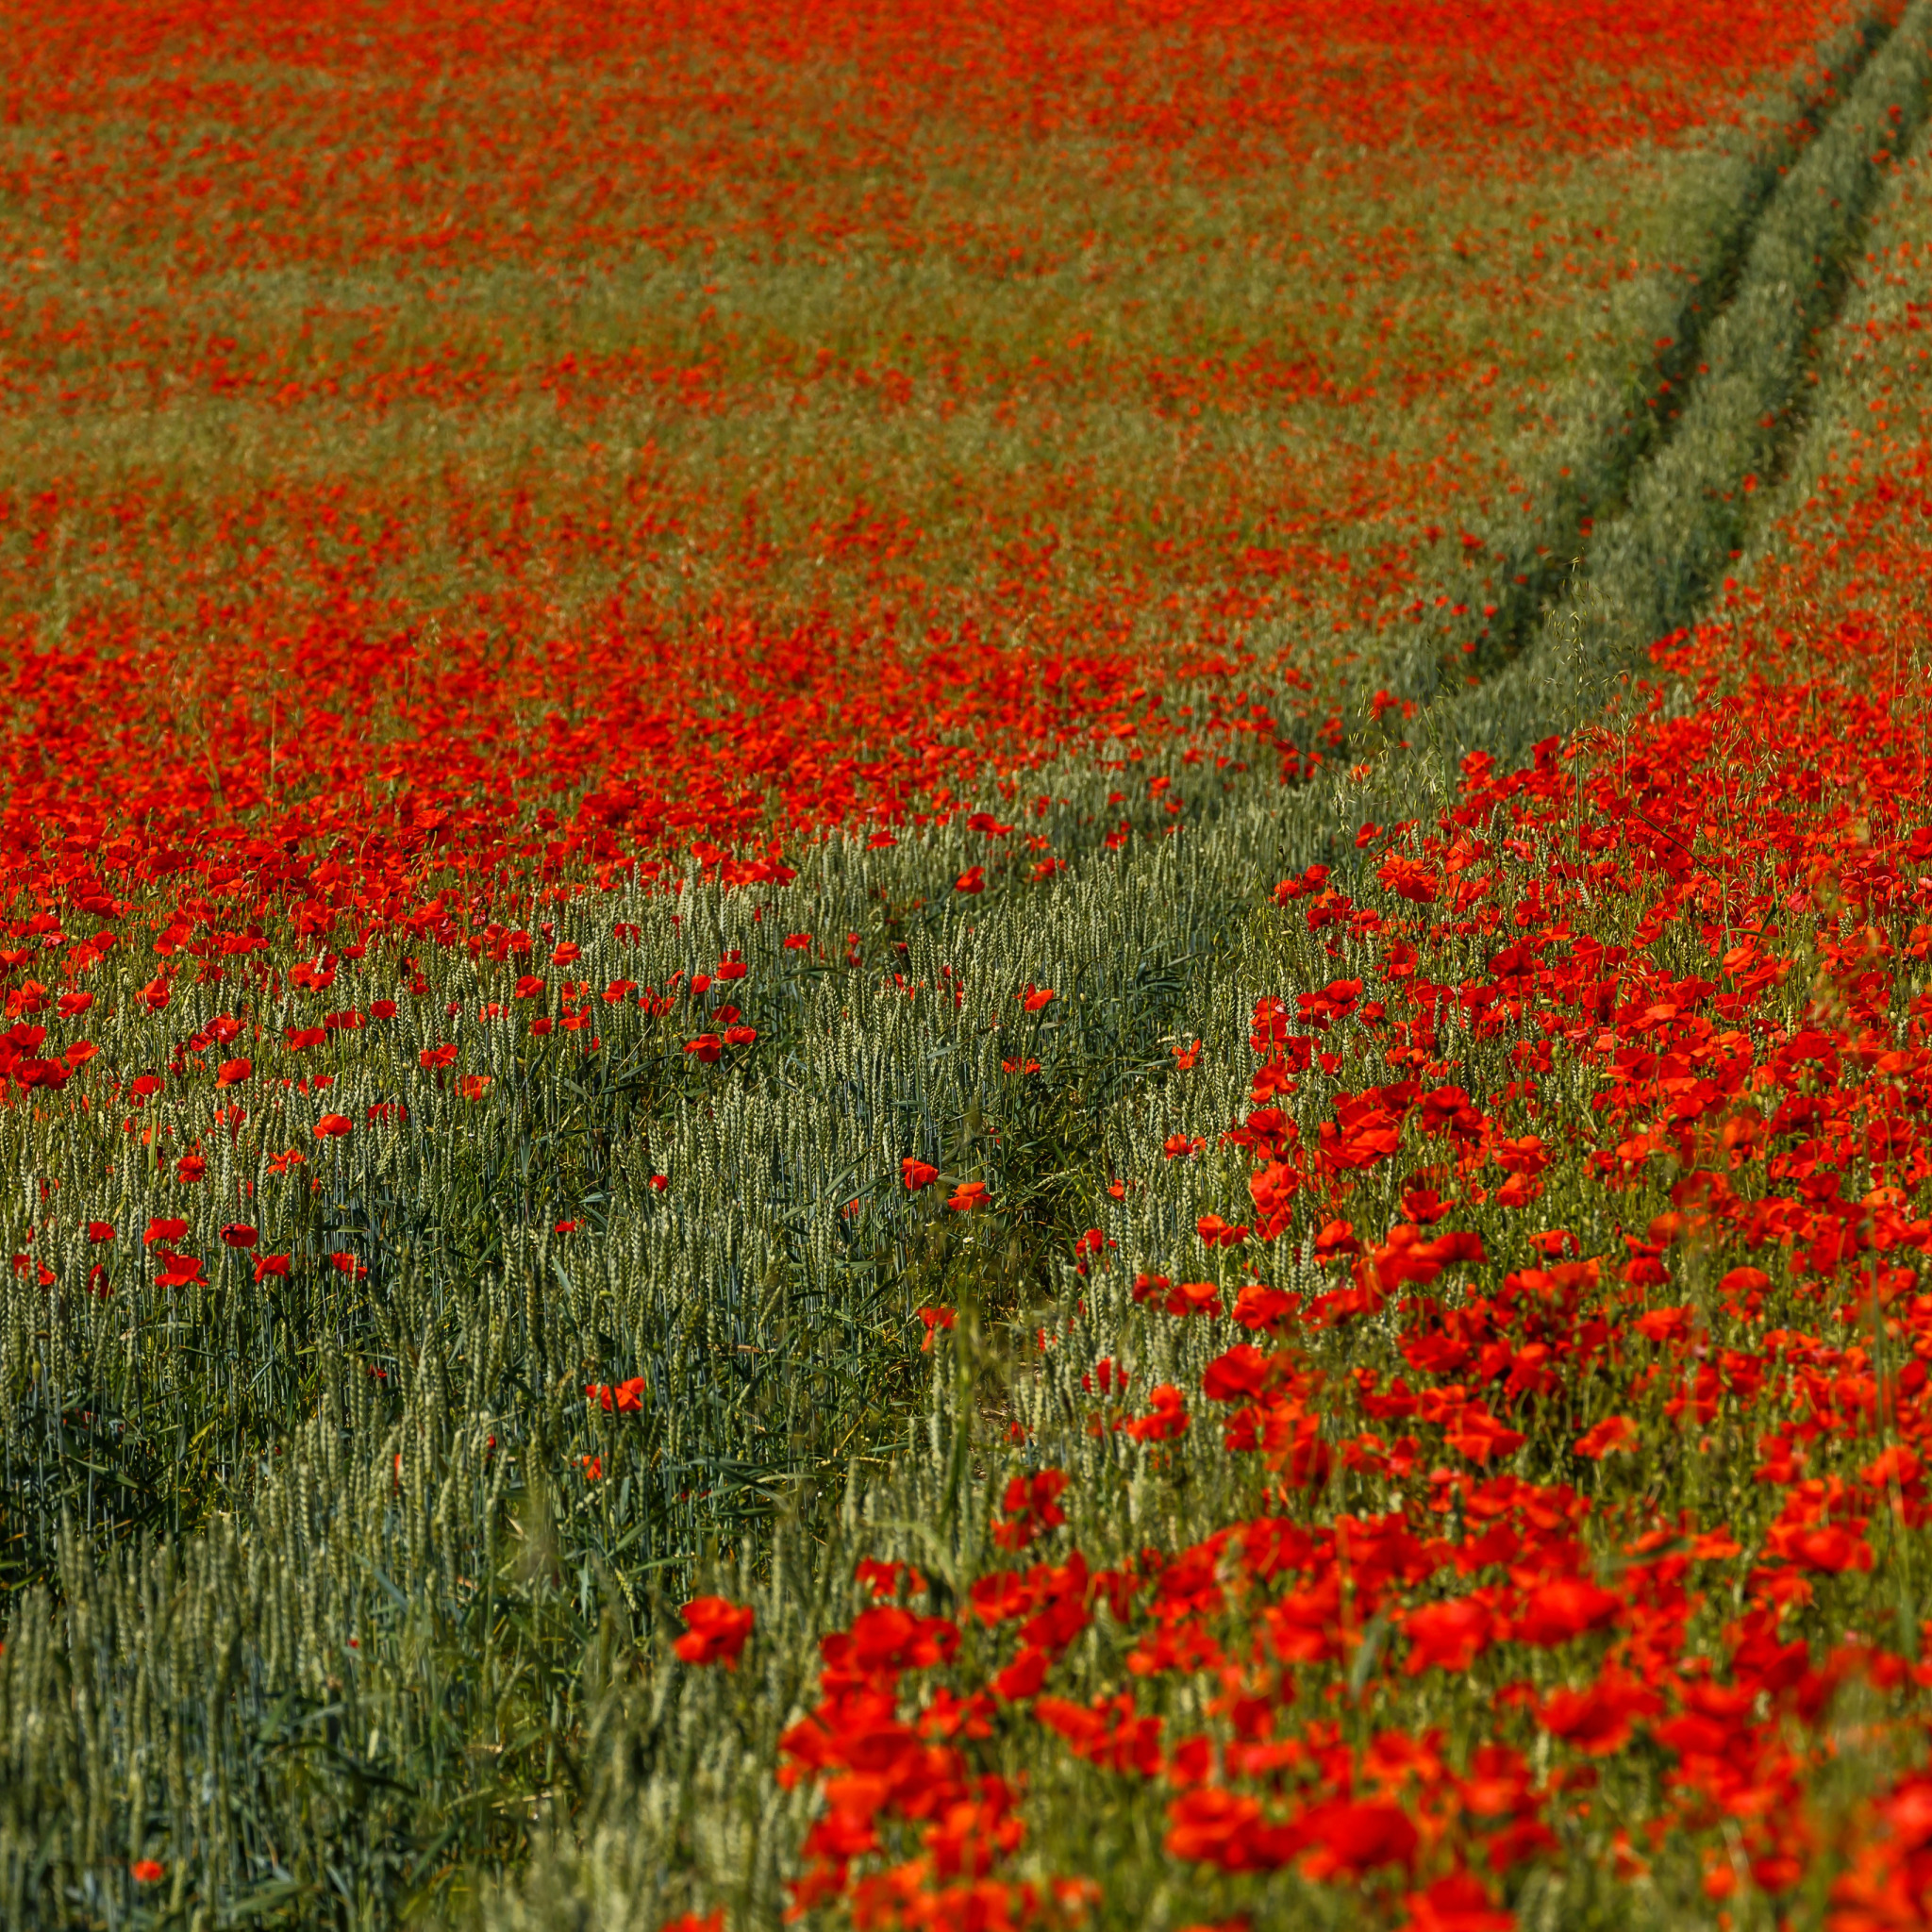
point(1217, 1233)
point(917, 1173)
point(1351, 1837)
point(1831, 1548)
point(624, 1398)
point(1564, 1609)
point(1023, 1677)
point(1597, 1720)
point(716, 1629)
point(1458, 1903)
point(883, 1579)
point(1614, 1432)
point(332, 1125)
point(1409, 878)
point(1167, 1419)
point(1448, 1635)
point(1336, 1238)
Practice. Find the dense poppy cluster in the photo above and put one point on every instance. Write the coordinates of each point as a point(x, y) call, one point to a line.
point(1032, 474)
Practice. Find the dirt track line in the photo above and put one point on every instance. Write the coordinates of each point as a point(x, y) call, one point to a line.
point(1649, 572)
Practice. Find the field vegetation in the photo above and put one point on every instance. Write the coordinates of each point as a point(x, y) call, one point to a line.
point(966, 968)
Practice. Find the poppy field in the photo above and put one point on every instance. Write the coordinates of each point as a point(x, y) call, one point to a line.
point(967, 968)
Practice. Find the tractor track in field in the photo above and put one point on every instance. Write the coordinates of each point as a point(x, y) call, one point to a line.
point(1536, 574)
point(1629, 536)
point(1685, 509)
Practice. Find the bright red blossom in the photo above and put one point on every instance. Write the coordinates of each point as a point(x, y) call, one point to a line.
point(716, 1631)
